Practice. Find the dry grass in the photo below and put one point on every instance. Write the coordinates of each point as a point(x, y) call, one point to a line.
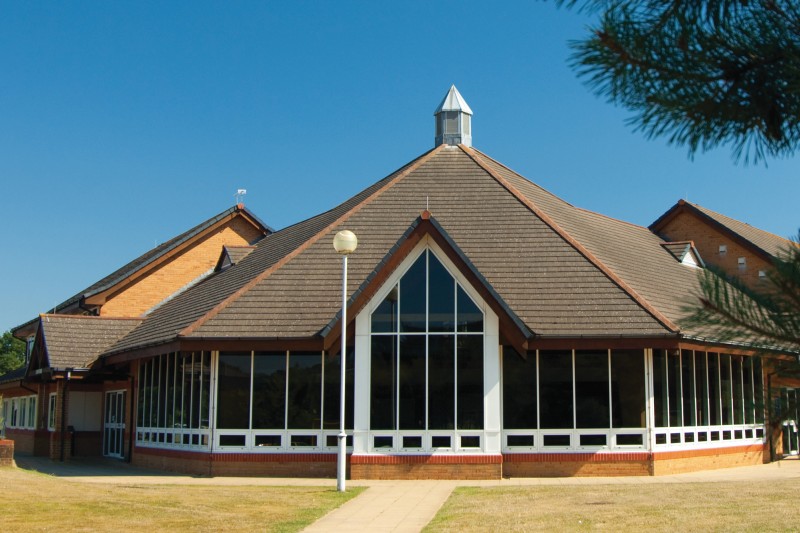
point(740, 506)
point(37, 502)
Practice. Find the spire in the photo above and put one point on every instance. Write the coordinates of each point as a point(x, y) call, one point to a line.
point(453, 120)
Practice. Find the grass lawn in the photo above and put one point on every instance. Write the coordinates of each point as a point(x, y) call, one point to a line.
point(34, 502)
point(754, 506)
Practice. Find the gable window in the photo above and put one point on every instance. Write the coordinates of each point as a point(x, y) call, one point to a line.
point(426, 362)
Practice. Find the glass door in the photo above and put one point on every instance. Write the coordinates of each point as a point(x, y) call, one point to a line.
point(114, 425)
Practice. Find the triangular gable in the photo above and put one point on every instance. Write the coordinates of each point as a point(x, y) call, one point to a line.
point(762, 243)
point(231, 255)
point(685, 252)
point(512, 328)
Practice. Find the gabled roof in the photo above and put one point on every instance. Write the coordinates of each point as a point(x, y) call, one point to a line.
point(74, 341)
point(761, 242)
point(150, 257)
point(563, 271)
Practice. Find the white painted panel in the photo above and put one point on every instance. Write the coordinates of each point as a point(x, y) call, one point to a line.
point(85, 410)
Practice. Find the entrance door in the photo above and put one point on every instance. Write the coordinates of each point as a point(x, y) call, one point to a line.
point(114, 424)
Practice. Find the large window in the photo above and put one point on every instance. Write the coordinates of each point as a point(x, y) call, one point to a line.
point(426, 363)
point(20, 413)
point(574, 399)
point(173, 400)
point(703, 397)
point(280, 399)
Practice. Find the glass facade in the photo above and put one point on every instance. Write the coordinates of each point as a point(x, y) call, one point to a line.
point(426, 363)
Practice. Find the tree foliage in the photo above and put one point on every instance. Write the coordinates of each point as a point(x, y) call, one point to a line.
point(768, 318)
point(702, 73)
point(12, 353)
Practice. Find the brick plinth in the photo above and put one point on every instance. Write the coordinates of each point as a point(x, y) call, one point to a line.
point(6, 453)
point(238, 464)
point(576, 464)
point(665, 463)
point(426, 466)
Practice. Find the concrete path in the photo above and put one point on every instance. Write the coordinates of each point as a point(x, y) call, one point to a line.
point(398, 506)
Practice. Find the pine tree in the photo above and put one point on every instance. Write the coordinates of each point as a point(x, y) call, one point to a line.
point(702, 73)
point(767, 318)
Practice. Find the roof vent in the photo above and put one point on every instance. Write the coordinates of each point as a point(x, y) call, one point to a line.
point(453, 120)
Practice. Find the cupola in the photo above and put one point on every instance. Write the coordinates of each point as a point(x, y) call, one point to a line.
point(453, 120)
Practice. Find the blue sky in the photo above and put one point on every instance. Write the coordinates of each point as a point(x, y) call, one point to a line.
point(123, 124)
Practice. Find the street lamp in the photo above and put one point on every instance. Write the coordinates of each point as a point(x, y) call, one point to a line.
point(345, 243)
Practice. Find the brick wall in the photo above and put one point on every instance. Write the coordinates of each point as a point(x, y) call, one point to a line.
point(6, 453)
point(426, 467)
point(665, 463)
point(577, 464)
point(177, 272)
point(707, 239)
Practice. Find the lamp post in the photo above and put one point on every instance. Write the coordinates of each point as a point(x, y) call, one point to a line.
point(345, 243)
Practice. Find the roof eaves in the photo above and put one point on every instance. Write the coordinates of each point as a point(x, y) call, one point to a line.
point(641, 301)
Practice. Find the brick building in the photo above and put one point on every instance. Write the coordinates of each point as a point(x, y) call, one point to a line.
point(493, 329)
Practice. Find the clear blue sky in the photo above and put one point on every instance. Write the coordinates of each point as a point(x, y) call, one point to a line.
point(123, 124)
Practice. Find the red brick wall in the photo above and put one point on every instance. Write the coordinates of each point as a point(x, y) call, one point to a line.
point(695, 460)
point(576, 464)
point(6, 453)
point(707, 239)
point(426, 467)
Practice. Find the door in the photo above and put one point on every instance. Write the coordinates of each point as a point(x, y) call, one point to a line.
point(114, 424)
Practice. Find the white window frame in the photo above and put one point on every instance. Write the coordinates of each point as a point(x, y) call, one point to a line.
point(52, 402)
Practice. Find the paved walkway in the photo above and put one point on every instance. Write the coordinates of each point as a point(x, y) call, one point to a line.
point(396, 506)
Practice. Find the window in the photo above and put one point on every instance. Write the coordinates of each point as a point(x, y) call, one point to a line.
point(723, 249)
point(280, 398)
point(20, 413)
point(427, 356)
point(173, 399)
point(742, 262)
point(51, 412)
point(31, 421)
point(586, 398)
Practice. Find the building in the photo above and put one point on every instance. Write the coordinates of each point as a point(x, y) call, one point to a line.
point(493, 330)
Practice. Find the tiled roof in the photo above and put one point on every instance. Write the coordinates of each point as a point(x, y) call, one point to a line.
point(544, 258)
point(72, 341)
point(150, 256)
point(767, 243)
point(13, 375)
point(165, 323)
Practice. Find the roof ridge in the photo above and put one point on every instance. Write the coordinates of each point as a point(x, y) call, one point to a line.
point(307, 243)
point(498, 163)
point(703, 209)
point(89, 317)
point(573, 242)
